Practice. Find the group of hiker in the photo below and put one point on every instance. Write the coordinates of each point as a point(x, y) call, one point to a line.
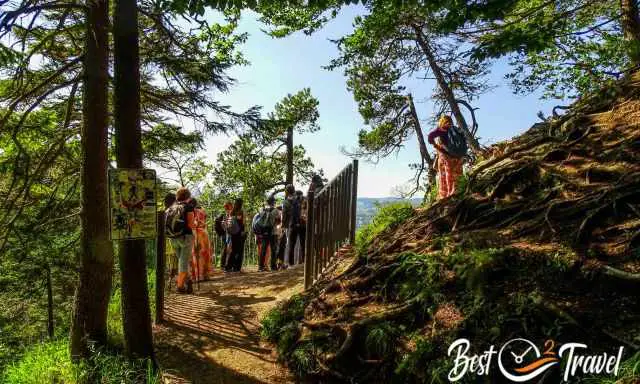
point(279, 231)
point(279, 234)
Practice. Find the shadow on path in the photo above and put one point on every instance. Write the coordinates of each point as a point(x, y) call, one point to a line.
point(213, 336)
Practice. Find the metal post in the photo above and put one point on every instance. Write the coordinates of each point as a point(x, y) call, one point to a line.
point(160, 267)
point(354, 202)
point(308, 260)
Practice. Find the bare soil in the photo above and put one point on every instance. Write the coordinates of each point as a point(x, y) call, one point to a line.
point(212, 336)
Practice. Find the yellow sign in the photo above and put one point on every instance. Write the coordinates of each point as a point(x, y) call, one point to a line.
point(132, 203)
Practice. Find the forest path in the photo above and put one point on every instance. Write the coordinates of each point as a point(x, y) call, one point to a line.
point(212, 336)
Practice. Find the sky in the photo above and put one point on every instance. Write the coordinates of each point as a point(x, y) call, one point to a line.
point(284, 66)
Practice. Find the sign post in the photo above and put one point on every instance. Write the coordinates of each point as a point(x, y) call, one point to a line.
point(132, 204)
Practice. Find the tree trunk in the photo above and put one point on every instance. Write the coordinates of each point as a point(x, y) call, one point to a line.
point(630, 23)
point(431, 174)
point(446, 89)
point(290, 155)
point(50, 324)
point(136, 315)
point(89, 322)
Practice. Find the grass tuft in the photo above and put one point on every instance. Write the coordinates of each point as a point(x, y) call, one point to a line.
point(51, 363)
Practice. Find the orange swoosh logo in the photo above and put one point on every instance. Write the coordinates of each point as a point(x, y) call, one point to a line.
point(536, 364)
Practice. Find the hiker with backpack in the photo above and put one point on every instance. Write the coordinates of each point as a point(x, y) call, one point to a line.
point(179, 227)
point(236, 235)
point(264, 225)
point(452, 150)
point(295, 228)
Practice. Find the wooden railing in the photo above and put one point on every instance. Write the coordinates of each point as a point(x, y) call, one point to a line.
point(331, 221)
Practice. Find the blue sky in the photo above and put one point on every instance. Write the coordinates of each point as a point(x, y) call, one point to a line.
point(282, 66)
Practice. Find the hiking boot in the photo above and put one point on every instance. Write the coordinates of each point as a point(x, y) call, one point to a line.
point(189, 287)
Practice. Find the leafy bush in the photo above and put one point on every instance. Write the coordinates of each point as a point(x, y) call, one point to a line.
point(388, 216)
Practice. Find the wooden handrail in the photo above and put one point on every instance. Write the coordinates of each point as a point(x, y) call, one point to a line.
point(331, 221)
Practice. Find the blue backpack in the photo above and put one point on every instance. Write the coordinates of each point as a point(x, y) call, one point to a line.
point(262, 223)
point(456, 142)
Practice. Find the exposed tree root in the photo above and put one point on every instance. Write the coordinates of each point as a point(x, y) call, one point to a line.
point(531, 197)
point(622, 275)
point(372, 319)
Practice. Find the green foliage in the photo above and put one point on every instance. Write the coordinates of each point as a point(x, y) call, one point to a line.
point(461, 184)
point(298, 110)
point(380, 341)
point(629, 373)
point(432, 194)
point(564, 49)
point(114, 314)
point(418, 277)
point(388, 216)
point(182, 70)
point(51, 363)
point(256, 163)
point(275, 321)
point(302, 361)
point(473, 265)
point(423, 365)
point(43, 363)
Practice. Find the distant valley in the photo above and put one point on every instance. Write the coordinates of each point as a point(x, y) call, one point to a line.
point(367, 207)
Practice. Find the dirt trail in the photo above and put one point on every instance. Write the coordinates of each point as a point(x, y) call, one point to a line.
point(212, 336)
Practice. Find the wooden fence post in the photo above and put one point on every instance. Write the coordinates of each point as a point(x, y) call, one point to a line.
point(323, 236)
point(160, 269)
point(354, 202)
point(332, 225)
point(344, 235)
point(317, 210)
point(308, 251)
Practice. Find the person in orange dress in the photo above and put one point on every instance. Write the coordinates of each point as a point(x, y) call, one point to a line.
point(449, 167)
point(201, 260)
